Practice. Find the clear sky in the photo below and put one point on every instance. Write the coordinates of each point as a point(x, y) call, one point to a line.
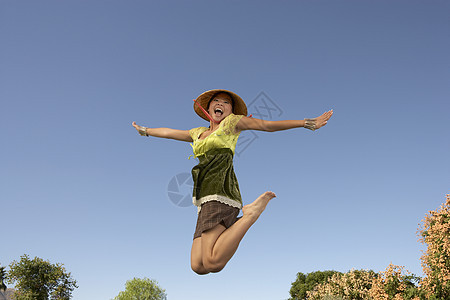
point(79, 186)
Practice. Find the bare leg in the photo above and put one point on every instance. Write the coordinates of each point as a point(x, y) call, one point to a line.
point(196, 257)
point(219, 244)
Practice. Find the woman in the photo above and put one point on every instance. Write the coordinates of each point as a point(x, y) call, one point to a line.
point(216, 190)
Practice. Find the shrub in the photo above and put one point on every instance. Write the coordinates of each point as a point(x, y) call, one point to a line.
point(305, 283)
point(351, 285)
point(435, 234)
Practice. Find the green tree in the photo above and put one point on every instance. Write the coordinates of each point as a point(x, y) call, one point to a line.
point(305, 283)
point(142, 289)
point(2, 279)
point(38, 279)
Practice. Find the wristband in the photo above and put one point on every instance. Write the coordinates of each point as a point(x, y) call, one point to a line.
point(142, 131)
point(310, 124)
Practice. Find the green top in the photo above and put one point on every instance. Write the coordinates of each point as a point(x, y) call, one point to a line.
point(224, 137)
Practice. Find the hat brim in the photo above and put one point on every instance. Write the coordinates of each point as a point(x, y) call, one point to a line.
point(239, 107)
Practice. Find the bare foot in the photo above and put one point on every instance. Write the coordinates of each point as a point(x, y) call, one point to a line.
point(255, 209)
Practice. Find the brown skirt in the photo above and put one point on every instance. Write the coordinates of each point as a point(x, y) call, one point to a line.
point(213, 213)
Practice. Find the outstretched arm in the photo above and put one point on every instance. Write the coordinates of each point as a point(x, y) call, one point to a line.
point(168, 133)
point(257, 124)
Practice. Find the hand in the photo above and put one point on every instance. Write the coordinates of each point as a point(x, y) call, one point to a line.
point(135, 126)
point(323, 119)
point(141, 130)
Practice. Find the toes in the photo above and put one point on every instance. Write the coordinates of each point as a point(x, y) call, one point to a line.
point(271, 194)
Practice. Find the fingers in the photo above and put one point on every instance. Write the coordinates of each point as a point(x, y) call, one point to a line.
point(323, 119)
point(327, 115)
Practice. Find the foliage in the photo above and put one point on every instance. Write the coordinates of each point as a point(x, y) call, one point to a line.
point(40, 280)
point(351, 285)
point(142, 289)
point(395, 283)
point(435, 233)
point(2, 279)
point(365, 285)
point(305, 283)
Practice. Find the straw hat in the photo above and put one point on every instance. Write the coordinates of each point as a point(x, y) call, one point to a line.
point(239, 107)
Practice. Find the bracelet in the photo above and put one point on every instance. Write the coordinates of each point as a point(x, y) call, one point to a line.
point(310, 124)
point(142, 131)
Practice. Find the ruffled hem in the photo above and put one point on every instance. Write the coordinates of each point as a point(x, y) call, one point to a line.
point(219, 198)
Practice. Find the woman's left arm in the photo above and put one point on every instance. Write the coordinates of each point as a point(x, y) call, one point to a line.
point(257, 124)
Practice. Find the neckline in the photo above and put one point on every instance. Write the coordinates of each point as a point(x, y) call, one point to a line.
point(220, 126)
point(207, 136)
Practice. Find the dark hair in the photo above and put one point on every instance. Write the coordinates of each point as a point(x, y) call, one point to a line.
point(214, 96)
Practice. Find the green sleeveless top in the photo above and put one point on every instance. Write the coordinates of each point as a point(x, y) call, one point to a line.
point(224, 137)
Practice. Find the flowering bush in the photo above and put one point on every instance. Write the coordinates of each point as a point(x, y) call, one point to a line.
point(351, 285)
point(393, 284)
point(435, 233)
point(305, 283)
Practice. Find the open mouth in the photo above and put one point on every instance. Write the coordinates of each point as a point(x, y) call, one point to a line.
point(218, 112)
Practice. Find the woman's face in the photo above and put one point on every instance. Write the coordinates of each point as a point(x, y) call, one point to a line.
point(220, 107)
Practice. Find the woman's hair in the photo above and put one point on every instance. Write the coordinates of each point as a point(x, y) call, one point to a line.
point(214, 96)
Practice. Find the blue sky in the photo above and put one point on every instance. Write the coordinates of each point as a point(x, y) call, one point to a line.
point(79, 186)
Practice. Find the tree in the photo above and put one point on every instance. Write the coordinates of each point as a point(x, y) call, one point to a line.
point(435, 234)
point(40, 280)
point(142, 289)
point(2, 279)
point(305, 283)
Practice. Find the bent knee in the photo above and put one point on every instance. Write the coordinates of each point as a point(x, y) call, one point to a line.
point(199, 269)
point(213, 266)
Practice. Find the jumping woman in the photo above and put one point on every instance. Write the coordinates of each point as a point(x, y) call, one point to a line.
point(216, 190)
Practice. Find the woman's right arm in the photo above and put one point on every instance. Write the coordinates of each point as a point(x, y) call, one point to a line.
point(167, 133)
